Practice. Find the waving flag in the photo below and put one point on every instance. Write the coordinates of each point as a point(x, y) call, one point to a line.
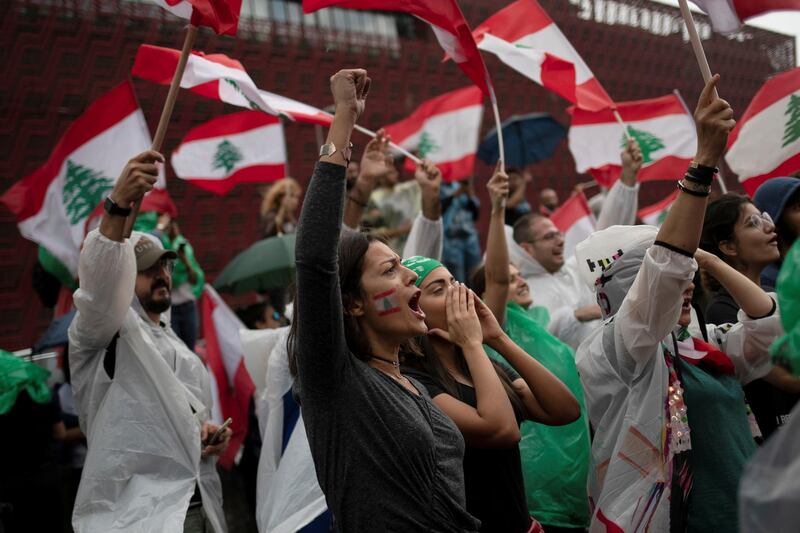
point(727, 16)
point(244, 147)
point(662, 127)
point(575, 220)
point(524, 37)
point(225, 361)
point(766, 140)
point(55, 204)
point(222, 16)
point(654, 215)
point(446, 20)
point(220, 77)
point(288, 494)
point(445, 130)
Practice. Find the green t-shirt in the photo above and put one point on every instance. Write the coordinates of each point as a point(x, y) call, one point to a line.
point(721, 445)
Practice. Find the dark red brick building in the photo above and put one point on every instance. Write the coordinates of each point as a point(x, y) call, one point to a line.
point(57, 56)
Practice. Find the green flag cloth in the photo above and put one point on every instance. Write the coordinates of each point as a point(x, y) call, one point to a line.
point(555, 459)
point(56, 268)
point(786, 350)
point(17, 375)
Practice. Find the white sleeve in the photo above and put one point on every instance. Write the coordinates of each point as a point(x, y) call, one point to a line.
point(651, 309)
point(425, 238)
point(107, 274)
point(619, 207)
point(565, 327)
point(747, 343)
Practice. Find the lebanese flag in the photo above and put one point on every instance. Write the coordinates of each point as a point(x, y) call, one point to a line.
point(246, 147)
point(654, 215)
point(662, 127)
point(524, 37)
point(224, 358)
point(574, 218)
point(445, 130)
point(727, 16)
point(222, 16)
point(446, 20)
point(55, 204)
point(766, 141)
point(220, 77)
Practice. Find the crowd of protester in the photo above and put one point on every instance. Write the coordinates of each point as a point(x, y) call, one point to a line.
point(442, 387)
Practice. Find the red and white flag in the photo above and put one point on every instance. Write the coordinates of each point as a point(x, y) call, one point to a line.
point(223, 350)
point(662, 127)
point(222, 16)
point(445, 130)
point(446, 20)
point(54, 205)
point(524, 37)
point(727, 16)
point(574, 218)
point(244, 147)
point(654, 215)
point(766, 140)
point(220, 77)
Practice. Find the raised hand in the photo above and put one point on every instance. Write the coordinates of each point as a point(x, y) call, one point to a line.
point(631, 162)
point(428, 176)
point(714, 121)
point(349, 88)
point(499, 188)
point(138, 177)
point(375, 162)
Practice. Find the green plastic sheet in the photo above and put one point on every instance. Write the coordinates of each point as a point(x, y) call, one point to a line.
point(786, 349)
point(555, 459)
point(17, 375)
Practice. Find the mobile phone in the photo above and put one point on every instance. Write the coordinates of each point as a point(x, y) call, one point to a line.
point(219, 432)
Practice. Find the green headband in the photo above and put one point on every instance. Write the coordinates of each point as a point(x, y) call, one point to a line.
point(422, 266)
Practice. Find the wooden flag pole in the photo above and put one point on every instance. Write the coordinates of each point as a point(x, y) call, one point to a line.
point(697, 45)
point(622, 123)
point(721, 180)
point(166, 112)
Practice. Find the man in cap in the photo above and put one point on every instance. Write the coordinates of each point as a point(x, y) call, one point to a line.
point(143, 398)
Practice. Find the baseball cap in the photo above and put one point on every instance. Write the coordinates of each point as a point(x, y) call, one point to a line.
point(149, 250)
point(773, 195)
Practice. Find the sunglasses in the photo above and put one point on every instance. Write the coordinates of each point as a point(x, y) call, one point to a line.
point(155, 268)
point(549, 236)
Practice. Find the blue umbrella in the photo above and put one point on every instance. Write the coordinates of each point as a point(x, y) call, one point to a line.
point(55, 334)
point(528, 139)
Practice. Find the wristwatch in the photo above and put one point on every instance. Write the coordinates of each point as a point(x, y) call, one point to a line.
point(329, 149)
point(115, 210)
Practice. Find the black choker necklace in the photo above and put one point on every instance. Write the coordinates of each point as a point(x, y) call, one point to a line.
point(395, 364)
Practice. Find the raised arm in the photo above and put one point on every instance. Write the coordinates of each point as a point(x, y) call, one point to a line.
point(426, 237)
point(321, 348)
point(107, 269)
point(622, 202)
point(375, 164)
point(498, 277)
point(652, 306)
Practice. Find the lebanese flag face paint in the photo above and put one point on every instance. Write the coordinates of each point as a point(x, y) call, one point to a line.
point(386, 303)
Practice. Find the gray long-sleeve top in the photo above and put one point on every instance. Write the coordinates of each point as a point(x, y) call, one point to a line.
point(386, 459)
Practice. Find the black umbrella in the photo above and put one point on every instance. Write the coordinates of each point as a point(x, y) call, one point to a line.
point(528, 139)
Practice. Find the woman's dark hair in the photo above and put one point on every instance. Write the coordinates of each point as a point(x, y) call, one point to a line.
point(786, 234)
point(477, 281)
point(353, 248)
point(418, 354)
point(252, 314)
point(718, 226)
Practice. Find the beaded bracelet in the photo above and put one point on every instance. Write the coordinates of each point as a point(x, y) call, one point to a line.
point(687, 190)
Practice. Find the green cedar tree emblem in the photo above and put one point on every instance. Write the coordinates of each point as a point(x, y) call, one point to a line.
point(648, 143)
point(792, 131)
point(83, 190)
point(662, 216)
point(238, 89)
point(227, 156)
point(426, 145)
